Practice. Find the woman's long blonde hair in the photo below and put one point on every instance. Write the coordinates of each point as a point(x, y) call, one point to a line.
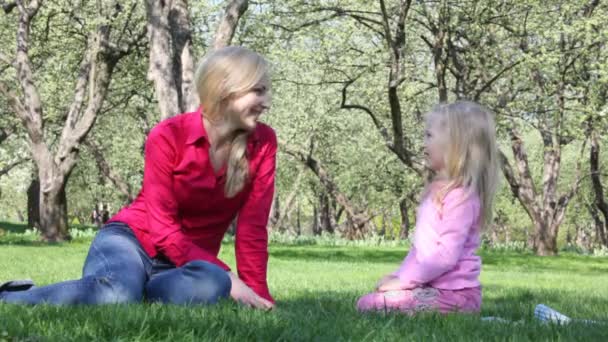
point(471, 154)
point(224, 74)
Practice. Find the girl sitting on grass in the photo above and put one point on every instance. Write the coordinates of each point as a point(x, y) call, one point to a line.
point(441, 271)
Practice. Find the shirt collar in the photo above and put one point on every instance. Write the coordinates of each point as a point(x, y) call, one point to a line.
point(195, 126)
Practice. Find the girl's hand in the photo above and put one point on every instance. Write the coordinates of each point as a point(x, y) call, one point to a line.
point(384, 280)
point(391, 285)
point(241, 293)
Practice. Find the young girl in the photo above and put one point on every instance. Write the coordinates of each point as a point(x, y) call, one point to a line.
point(441, 270)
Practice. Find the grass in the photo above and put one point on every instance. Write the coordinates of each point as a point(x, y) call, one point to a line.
point(316, 288)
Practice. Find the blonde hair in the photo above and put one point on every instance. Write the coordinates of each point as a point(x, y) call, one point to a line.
point(226, 73)
point(471, 154)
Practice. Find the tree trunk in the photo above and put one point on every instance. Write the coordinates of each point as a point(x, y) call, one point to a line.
point(598, 190)
point(357, 223)
point(547, 208)
point(600, 226)
point(298, 220)
point(316, 230)
point(545, 243)
point(54, 214)
point(404, 232)
point(161, 69)
point(33, 203)
point(94, 76)
point(383, 226)
point(183, 63)
point(275, 212)
point(171, 66)
point(225, 30)
point(289, 205)
point(326, 216)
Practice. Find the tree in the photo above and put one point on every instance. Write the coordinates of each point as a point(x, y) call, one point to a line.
point(488, 54)
point(357, 219)
point(171, 64)
point(99, 58)
point(599, 206)
point(552, 109)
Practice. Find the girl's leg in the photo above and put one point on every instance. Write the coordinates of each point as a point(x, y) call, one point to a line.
point(197, 282)
point(422, 299)
point(114, 272)
point(465, 300)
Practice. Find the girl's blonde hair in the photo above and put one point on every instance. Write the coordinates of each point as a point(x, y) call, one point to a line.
point(471, 154)
point(224, 74)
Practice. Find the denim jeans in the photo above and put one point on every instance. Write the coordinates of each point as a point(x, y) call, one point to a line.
point(118, 270)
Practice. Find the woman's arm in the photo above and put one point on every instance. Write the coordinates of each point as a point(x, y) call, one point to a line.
point(242, 293)
point(251, 246)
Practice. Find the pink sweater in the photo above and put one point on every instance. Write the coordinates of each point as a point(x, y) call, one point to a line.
point(445, 242)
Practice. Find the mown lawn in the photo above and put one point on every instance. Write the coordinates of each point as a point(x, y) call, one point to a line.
point(316, 288)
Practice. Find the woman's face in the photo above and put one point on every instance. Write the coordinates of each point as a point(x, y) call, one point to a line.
point(244, 111)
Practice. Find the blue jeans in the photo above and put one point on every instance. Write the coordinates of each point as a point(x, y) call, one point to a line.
point(118, 270)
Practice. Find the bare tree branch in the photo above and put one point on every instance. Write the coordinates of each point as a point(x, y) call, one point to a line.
point(496, 77)
point(8, 6)
point(358, 218)
point(104, 167)
point(337, 12)
point(10, 166)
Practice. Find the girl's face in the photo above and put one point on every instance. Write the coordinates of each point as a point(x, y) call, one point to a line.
point(434, 145)
point(244, 111)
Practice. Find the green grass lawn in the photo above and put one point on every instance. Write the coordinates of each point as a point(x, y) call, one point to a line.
point(316, 288)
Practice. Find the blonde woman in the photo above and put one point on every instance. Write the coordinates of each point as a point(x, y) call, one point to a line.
point(202, 169)
point(441, 270)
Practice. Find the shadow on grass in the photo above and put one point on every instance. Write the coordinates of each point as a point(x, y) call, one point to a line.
point(13, 227)
point(17, 234)
point(35, 243)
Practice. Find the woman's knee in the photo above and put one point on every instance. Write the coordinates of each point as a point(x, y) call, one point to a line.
point(107, 290)
point(204, 283)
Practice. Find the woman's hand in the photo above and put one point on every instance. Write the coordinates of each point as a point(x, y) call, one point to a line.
point(390, 284)
point(243, 294)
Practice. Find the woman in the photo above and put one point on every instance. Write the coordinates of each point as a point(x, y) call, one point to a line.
point(202, 169)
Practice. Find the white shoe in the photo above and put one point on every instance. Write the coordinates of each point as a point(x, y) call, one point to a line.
point(547, 315)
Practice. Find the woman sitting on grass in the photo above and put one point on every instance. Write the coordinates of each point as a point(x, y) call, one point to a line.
point(441, 271)
point(202, 169)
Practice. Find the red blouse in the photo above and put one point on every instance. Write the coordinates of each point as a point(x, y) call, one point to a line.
point(181, 211)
